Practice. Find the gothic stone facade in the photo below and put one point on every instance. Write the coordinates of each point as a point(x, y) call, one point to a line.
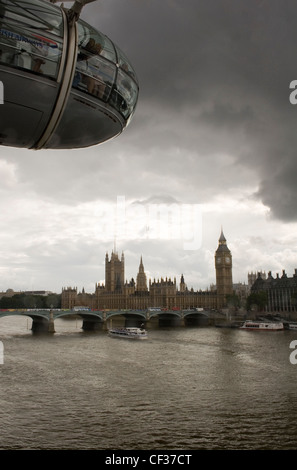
point(164, 293)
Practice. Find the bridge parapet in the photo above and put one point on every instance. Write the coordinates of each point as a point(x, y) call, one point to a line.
point(92, 319)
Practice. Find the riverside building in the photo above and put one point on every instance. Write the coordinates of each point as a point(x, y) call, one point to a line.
point(281, 291)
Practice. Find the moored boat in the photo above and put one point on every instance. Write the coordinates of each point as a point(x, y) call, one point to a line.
point(292, 326)
point(128, 333)
point(260, 325)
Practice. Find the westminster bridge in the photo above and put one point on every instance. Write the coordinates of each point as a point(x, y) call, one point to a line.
point(44, 320)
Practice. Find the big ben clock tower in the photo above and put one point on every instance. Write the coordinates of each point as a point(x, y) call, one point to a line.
point(223, 264)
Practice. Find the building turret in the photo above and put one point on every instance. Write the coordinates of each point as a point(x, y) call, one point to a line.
point(182, 285)
point(141, 282)
point(114, 272)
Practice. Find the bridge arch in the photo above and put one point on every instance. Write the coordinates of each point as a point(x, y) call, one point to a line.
point(130, 317)
point(197, 313)
point(41, 320)
point(196, 317)
point(167, 317)
point(96, 314)
point(27, 313)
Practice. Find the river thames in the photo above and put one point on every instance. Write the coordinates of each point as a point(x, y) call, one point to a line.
point(184, 389)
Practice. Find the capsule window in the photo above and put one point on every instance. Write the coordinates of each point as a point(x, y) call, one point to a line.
point(95, 42)
point(95, 68)
point(124, 64)
point(29, 37)
point(103, 71)
point(94, 75)
point(124, 95)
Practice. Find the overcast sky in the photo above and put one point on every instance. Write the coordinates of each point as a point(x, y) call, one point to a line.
point(213, 142)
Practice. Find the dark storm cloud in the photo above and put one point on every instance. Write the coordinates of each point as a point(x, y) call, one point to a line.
point(214, 78)
point(213, 112)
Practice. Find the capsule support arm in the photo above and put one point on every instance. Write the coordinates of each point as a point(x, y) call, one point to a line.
point(74, 12)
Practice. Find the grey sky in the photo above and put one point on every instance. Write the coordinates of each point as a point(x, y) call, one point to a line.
point(213, 127)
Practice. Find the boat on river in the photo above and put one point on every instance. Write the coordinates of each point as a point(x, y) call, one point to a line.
point(292, 326)
point(128, 333)
point(261, 325)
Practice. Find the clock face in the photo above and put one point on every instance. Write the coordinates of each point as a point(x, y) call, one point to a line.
point(218, 260)
point(227, 259)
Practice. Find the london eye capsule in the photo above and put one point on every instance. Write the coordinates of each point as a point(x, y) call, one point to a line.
point(66, 85)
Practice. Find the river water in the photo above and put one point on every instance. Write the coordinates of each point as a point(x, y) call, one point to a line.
point(184, 388)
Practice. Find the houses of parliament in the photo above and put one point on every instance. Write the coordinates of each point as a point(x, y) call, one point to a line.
point(163, 293)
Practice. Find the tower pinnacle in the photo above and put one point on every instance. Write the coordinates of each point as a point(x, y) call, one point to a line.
point(141, 283)
point(222, 239)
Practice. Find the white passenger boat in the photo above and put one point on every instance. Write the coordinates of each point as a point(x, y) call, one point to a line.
point(260, 325)
point(292, 326)
point(128, 333)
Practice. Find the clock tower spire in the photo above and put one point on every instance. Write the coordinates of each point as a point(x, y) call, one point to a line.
point(141, 284)
point(223, 265)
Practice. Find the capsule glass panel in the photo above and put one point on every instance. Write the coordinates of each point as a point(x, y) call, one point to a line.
point(95, 69)
point(104, 71)
point(125, 65)
point(124, 94)
point(31, 36)
point(95, 42)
